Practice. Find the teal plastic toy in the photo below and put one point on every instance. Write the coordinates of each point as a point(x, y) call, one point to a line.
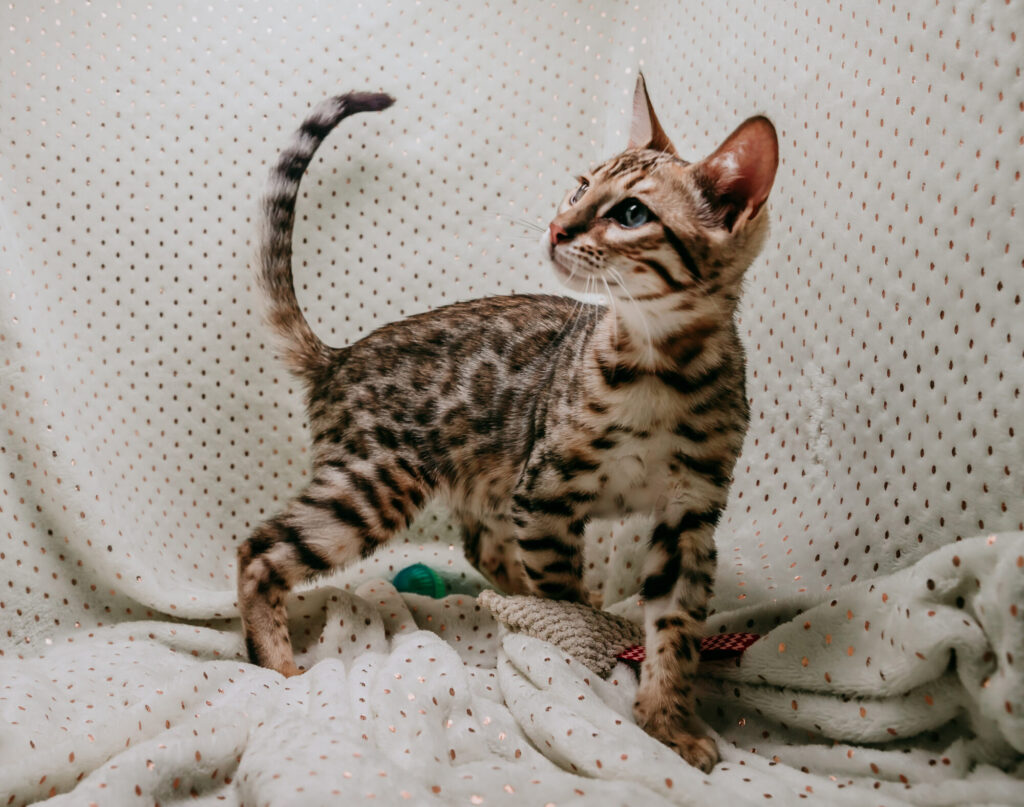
point(420, 579)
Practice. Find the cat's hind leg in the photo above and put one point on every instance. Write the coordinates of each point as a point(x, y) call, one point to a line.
point(270, 563)
point(343, 515)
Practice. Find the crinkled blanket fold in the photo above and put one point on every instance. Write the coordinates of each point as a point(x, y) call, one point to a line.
point(905, 689)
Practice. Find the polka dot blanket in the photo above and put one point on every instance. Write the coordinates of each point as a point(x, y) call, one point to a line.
point(874, 537)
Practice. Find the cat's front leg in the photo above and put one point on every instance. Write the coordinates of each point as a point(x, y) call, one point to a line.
point(678, 579)
point(549, 538)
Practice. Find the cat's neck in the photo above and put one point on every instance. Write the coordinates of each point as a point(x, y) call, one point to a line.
point(664, 333)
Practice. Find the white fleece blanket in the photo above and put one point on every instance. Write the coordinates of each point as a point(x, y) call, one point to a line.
point(902, 689)
point(874, 532)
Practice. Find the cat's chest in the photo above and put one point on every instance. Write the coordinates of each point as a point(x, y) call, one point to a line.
point(639, 473)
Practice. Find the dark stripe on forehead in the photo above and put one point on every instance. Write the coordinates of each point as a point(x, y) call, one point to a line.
point(637, 160)
point(684, 254)
point(633, 180)
point(626, 162)
point(618, 167)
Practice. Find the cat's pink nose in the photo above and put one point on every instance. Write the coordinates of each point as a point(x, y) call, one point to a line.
point(557, 233)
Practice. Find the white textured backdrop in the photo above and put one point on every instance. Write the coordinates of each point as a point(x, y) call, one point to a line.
point(146, 429)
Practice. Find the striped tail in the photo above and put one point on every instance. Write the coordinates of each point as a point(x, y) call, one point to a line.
point(303, 351)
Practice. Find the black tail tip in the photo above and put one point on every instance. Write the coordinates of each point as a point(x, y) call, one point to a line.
point(367, 101)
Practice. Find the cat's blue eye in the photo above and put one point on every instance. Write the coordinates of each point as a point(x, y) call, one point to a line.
point(631, 213)
point(582, 189)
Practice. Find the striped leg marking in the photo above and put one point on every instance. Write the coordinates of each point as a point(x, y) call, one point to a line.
point(678, 580)
point(491, 548)
point(341, 516)
point(550, 543)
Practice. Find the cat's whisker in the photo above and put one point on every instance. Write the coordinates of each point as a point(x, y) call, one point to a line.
point(639, 310)
point(581, 314)
point(611, 303)
point(642, 314)
point(532, 225)
point(572, 269)
point(591, 309)
point(578, 310)
point(570, 322)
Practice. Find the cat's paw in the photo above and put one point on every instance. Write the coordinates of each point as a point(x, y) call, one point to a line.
point(701, 752)
point(666, 727)
point(289, 670)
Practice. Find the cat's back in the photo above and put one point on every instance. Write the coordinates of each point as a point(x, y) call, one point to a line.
point(453, 391)
point(512, 332)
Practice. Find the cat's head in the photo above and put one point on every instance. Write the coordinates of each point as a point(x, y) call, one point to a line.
point(649, 224)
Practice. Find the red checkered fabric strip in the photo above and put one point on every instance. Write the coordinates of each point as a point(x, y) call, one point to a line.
point(724, 645)
point(634, 653)
point(721, 645)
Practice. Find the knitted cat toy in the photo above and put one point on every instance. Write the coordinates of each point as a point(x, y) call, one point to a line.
point(597, 639)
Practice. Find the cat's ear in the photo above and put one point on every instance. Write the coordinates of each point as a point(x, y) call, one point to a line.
point(737, 178)
point(645, 132)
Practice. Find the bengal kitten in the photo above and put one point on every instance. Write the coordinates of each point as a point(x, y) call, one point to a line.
point(532, 414)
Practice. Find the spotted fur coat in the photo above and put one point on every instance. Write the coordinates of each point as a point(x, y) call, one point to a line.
point(531, 415)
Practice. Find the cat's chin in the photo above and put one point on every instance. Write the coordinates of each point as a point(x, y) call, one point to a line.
point(571, 281)
point(589, 287)
point(574, 282)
